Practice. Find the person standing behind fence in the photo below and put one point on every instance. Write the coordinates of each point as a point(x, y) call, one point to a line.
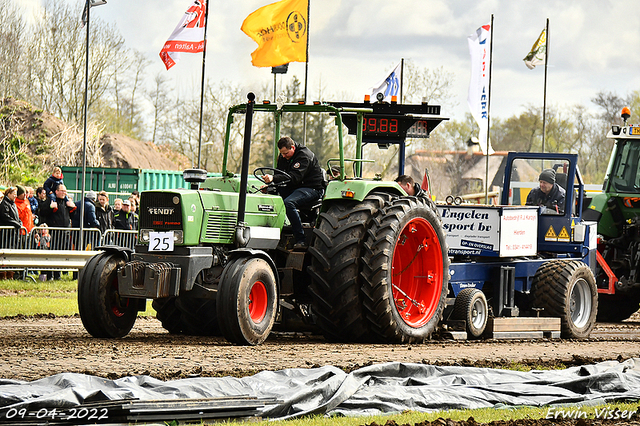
point(9, 215)
point(104, 212)
point(41, 196)
point(24, 208)
point(57, 213)
point(117, 205)
point(124, 219)
point(90, 219)
point(33, 202)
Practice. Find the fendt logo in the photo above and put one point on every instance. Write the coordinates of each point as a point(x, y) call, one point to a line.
point(161, 210)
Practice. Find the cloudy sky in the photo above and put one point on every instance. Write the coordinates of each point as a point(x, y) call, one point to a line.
point(595, 45)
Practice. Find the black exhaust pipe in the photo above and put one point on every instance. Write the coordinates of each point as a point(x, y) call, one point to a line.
point(242, 231)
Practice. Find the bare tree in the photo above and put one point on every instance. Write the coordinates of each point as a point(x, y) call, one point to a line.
point(427, 85)
point(159, 98)
point(12, 28)
point(57, 54)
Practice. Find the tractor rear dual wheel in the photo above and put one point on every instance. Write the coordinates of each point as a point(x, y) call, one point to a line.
point(567, 289)
point(406, 271)
point(336, 265)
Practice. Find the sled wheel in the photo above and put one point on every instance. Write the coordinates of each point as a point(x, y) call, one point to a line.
point(103, 312)
point(247, 301)
point(471, 306)
point(567, 289)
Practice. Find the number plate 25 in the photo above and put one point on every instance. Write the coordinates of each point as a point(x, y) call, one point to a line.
point(161, 241)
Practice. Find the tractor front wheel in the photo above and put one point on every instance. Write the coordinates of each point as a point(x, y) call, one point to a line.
point(247, 301)
point(102, 311)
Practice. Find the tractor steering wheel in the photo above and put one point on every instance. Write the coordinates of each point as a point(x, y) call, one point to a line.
point(261, 171)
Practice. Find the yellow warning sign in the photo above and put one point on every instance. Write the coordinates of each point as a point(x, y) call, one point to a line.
point(551, 235)
point(564, 235)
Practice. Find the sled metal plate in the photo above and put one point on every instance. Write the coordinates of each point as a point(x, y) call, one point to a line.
point(455, 335)
point(517, 335)
point(523, 324)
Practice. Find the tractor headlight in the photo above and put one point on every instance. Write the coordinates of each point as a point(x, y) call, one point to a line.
point(178, 236)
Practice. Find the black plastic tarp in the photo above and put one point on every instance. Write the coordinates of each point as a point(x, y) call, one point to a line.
point(377, 389)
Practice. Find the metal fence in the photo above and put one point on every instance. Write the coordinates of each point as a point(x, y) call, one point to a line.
point(49, 238)
point(55, 248)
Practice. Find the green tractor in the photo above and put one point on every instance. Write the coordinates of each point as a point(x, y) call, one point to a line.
point(217, 259)
point(617, 211)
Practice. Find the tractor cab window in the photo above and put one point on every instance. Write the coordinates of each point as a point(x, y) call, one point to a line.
point(539, 182)
point(626, 172)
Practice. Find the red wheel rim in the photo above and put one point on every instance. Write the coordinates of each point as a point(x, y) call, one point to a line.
point(118, 304)
point(417, 272)
point(258, 302)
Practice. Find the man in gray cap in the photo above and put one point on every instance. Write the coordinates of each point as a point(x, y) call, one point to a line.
point(549, 194)
point(90, 219)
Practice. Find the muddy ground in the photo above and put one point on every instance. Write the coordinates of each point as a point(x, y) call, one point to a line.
point(32, 348)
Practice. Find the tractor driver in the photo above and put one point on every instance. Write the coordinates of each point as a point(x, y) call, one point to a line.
point(306, 185)
point(549, 194)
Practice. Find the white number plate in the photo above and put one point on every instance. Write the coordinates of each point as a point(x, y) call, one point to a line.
point(161, 241)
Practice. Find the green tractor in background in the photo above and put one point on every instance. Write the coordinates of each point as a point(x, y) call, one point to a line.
point(217, 259)
point(617, 211)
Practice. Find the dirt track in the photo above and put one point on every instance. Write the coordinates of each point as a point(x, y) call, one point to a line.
point(35, 348)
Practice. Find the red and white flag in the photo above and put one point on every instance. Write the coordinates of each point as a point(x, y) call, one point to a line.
point(188, 36)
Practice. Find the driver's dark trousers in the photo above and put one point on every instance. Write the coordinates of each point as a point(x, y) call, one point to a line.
point(298, 198)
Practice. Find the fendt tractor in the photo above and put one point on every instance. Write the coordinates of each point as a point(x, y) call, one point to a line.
point(218, 259)
point(617, 211)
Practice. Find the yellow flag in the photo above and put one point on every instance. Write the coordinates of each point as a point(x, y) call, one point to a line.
point(281, 31)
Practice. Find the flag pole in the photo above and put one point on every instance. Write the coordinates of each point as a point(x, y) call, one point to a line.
point(544, 102)
point(306, 75)
point(204, 56)
point(401, 76)
point(486, 172)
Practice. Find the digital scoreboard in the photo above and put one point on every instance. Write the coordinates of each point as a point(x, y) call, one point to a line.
point(391, 123)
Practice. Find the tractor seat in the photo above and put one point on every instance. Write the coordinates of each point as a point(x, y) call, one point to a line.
point(309, 215)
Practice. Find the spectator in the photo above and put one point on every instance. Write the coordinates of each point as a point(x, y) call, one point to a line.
point(33, 202)
point(24, 208)
point(41, 196)
point(53, 182)
point(136, 195)
point(124, 219)
point(117, 205)
point(104, 212)
point(90, 219)
point(43, 238)
point(333, 172)
point(9, 215)
point(56, 213)
point(410, 186)
point(134, 204)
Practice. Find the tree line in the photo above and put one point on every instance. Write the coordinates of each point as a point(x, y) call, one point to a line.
point(42, 62)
